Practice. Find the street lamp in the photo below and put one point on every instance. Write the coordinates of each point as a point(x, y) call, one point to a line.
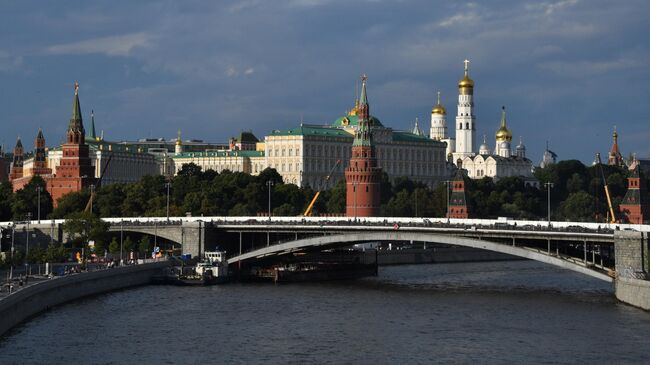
point(121, 241)
point(29, 219)
point(549, 185)
point(92, 191)
point(38, 191)
point(13, 234)
point(269, 184)
point(168, 185)
point(447, 183)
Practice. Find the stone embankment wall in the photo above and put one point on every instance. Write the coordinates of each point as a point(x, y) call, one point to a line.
point(439, 255)
point(632, 285)
point(36, 298)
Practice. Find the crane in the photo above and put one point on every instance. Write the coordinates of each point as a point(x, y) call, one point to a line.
point(308, 212)
point(89, 205)
point(609, 199)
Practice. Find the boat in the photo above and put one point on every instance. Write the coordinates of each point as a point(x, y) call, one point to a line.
point(212, 270)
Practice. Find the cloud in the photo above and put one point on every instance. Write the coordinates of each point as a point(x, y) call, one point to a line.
point(9, 62)
point(121, 45)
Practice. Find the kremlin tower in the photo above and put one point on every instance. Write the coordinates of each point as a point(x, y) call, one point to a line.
point(465, 120)
point(457, 201)
point(362, 176)
point(17, 165)
point(635, 205)
point(75, 171)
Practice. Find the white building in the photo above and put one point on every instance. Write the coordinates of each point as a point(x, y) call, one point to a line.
point(465, 119)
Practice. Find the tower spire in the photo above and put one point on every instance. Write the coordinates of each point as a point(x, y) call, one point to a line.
point(91, 134)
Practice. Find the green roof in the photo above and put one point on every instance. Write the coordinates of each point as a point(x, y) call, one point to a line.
point(220, 154)
point(410, 137)
point(353, 120)
point(325, 131)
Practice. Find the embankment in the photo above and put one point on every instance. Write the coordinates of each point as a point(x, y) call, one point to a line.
point(36, 298)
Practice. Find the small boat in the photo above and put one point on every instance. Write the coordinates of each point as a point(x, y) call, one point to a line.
point(212, 270)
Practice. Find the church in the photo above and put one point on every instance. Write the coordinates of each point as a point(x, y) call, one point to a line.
point(498, 163)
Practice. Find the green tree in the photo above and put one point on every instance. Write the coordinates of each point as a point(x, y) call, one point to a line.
point(189, 170)
point(56, 253)
point(128, 245)
point(337, 199)
point(580, 207)
point(114, 246)
point(6, 198)
point(26, 200)
point(145, 245)
point(36, 255)
point(83, 227)
point(70, 203)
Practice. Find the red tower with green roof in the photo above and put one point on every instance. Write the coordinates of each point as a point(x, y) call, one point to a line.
point(457, 200)
point(363, 176)
point(635, 205)
point(75, 171)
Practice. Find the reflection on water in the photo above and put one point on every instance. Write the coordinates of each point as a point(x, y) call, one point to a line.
point(499, 312)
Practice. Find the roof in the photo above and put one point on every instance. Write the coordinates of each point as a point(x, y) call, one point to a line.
point(247, 137)
point(220, 154)
point(403, 136)
point(353, 120)
point(310, 130)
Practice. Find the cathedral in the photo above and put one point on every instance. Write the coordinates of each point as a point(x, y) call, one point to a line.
point(498, 163)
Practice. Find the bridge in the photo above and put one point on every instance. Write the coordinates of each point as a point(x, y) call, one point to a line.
point(587, 248)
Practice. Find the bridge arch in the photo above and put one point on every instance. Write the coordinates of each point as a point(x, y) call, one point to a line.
point(349, 238)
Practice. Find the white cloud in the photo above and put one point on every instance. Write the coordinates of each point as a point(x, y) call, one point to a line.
point(249, 71)
point(461, 18)
point(120, 45)
point(9, 62)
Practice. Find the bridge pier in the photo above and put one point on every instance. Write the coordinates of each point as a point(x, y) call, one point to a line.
point(632, 285)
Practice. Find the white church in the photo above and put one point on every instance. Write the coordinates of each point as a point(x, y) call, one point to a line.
point(501, 162)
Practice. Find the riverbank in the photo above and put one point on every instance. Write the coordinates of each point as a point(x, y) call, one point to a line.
point(33, 299)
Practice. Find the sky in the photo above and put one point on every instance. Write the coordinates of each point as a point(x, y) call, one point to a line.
point(568, 71)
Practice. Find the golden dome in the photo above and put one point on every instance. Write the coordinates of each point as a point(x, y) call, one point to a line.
point(438, 108)
point(466, 85)
point(503, 133)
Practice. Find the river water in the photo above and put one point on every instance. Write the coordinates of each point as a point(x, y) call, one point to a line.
point(494, 312)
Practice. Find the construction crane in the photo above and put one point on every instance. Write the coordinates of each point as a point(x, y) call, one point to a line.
point(308, 212)
point(89, 205)
point(609, 199)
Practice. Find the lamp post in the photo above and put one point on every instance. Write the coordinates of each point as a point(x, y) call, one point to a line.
point(38, 206)
point(415, 194)
point(29, 219)
point(447, 182)
point(269, 184)
point(121, 241)
point(13, 234)
point(549, 185)
point(168, 185)
point(92, 191)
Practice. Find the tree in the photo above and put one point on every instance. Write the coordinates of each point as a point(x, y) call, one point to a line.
point(26, 200)
point(145, 245)
point(83, 227)
point(6, 197)
point(56, 253)
point(337, 199)
point(128, 244)
point(580, 207)
point(114, 246)
point(189, 170)
point(71, 203)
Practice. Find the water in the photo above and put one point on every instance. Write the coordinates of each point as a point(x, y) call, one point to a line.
point(499, 312)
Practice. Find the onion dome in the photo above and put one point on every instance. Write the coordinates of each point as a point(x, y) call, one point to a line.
point(503, 134)
point(484, 149)
point(439, 108)
point(179, 142)
point(466, 85)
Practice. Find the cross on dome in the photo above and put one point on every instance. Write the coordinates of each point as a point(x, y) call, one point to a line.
point(76, 88)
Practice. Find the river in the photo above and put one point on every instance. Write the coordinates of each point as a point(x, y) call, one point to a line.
point(491, 312)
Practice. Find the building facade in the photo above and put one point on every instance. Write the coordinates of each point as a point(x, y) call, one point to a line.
point(635, 205)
